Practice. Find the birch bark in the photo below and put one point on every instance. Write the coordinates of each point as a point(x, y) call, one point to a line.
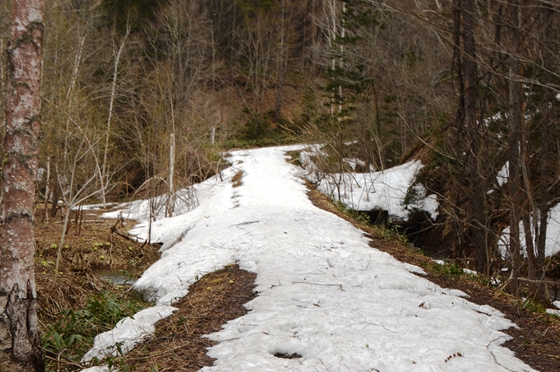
point(19, 336)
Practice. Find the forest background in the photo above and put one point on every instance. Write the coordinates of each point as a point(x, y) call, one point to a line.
point(140, 97)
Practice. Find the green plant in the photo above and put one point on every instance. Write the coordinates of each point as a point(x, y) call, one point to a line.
point(363, 218)
point(118, 362)
point(452, 269)
point(391, 232)
point(413, 199)
point(531, 305)
point(72, 335)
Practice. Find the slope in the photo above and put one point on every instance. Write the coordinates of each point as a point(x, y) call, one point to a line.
point(323, 293)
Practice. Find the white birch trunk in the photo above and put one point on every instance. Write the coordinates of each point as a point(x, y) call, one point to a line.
point(104, 176)
point(20, 345)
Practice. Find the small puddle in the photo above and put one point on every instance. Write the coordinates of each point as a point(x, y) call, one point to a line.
point(116, 276)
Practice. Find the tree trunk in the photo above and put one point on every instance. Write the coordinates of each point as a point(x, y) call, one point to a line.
point(476, 190)
point(170, 204)
point(544, 209)
point(548, 153)
point(47, 191)
point(19, 336)
point(55, 198)
point(278, 107)
point(104, 175)
point(516, 108)
point(531, 259)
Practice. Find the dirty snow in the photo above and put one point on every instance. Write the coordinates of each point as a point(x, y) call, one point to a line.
point(323, 292)
point(128, 333)
point(385, 190)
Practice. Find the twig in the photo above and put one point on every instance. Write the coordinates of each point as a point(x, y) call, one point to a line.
point(125, 235)
point(493, 356)
point(322, 284)
point(62, 359)
point(86, 221)
point(538, 281)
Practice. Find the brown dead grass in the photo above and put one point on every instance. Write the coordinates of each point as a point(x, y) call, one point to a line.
point(178, 344)
point(92, 246)
point(218, 297)
point(236, 180)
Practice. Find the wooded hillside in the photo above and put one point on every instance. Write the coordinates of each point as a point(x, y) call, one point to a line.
point(140, 96)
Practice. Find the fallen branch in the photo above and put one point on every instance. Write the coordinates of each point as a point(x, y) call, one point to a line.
point(84, 221)
point(538, 281)
point(125, 235)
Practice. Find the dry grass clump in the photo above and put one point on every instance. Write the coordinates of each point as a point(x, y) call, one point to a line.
point(178, 344)
point(74, 304)
point(236, 180)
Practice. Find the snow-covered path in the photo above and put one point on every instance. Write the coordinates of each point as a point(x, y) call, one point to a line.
point(323, 292)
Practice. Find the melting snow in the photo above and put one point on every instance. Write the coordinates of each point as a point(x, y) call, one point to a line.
point(323, 293)
point(128, 333)
point(385, 190)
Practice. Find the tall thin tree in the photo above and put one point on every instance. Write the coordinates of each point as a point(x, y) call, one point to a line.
point(19, 336)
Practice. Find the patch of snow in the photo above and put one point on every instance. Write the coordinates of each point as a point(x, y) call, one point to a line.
point(553, 312)
point(492, 119)
point(128, 332)
point(556, 303)
point(385, 190)
point(503, 175)
point(103, 368)
point(93, 207)
point(471, 272)
point(431, 205)
point(323, 292)
point(353, 163)
point(552, 235)
point(414, 269)
point(439, 262)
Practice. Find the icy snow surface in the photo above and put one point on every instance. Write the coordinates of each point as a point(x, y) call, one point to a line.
point(385, 190)
point(323, 293)
point(129, 332)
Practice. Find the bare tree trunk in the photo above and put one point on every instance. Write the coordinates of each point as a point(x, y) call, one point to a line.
point(278, 108)
point(332, 39)
point(104, 176)
point(170, 197)
point(530, 253)
point(73, 79)
point(516, 108)
point(55, 198)
point(476, 190)
point(546, 163)
point(47, 191)
point(542, 290)
point(19, 337)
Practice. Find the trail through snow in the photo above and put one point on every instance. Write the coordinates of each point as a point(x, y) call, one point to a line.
point(323, 293)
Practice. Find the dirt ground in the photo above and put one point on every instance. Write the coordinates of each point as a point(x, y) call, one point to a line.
point(91, 243)
point(212, 301)
point(178, 344)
